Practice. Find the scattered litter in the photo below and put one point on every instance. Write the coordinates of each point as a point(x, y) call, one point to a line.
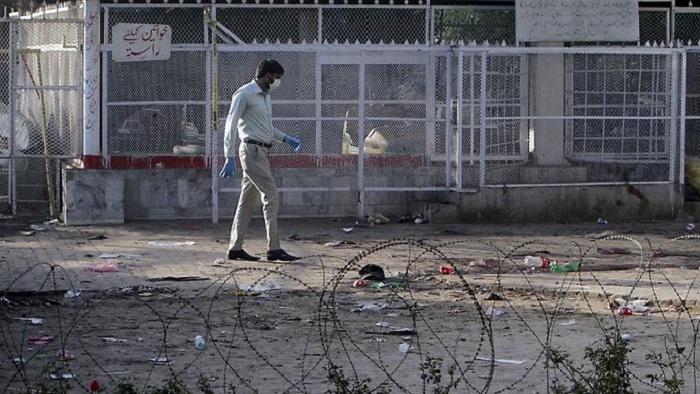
point(160, 360)
point(359, 283)
point(53, 222)
point(405, 348)
point(102, 267)
point(501, 360)
point(27, 233)
point(348, 230)
point(335, 244)
point(113, 340)
point(35, 321)
point(420, 221)
point(379, 339)
point(372, 272)
point(573, 266)
point(118, 255)
point(690, 227)
point(293, 237)
point(383, 324)
point(39, 340)
point(393, 331)
point(177, 279)
point(568, 323)
point(602, 221)
point(172, 243)
point(537, 261)
point(97, 237)
point(447, 270)
point(377, 219)
point(600, 235)
point(65, 355)
point(72, 293)
point(493, 312)
point(37, 227)
point(19, 360)
point(627, 337)
point(613, 250)
point(266, 285)
point(65, 376)
point(369, 306)
point(624, 311)
point(377, 285)
point(493, 297)
point(94, 386)
point(639, 305)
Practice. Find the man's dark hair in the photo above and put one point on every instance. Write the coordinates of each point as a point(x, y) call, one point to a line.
point(268, 66)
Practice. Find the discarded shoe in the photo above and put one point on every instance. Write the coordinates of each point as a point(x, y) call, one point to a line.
point(241, 255)
point(281, 255)
point(372, 272)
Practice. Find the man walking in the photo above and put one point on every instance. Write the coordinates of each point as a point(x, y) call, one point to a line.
point(250, 114)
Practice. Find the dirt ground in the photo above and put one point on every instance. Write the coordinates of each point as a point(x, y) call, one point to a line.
point(138, 324)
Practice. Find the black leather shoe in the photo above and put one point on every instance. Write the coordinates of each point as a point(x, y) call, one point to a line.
point(281, 255)
point(241, 255)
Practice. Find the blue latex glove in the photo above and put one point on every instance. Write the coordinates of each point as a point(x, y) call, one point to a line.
point(229, 168)
point(293, 142)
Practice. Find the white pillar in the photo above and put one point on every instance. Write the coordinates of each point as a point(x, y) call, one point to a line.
point(91, 85)
point(549, 101)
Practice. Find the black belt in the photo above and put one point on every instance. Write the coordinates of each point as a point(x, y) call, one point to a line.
point(254, 142)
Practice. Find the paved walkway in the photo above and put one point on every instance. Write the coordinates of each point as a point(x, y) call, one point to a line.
point(26, 261)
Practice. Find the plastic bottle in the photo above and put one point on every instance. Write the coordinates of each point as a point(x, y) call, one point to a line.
point(404, 347)
point(537, 261)
point(199, 342)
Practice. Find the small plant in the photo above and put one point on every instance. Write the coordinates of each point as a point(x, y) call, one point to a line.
point(669, 375)
point(170, 387)
point(431, 374)
point(343, 385)
point(204, 386)
point(609, 373)
point(124, 386)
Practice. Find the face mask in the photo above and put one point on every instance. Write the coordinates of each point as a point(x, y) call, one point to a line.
point(274, 85)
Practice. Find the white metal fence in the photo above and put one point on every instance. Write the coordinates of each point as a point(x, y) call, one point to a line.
point(430, 117)
point(40, 110)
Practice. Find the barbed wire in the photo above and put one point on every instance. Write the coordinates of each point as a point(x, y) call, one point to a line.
point(271, 329)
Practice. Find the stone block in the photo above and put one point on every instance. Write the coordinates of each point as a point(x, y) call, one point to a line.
point(92, 197)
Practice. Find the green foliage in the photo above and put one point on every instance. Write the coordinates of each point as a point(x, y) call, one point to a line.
point(669, 374)
point(431, 374)
point(343, 385)
point(608, 373)
point(475, 24)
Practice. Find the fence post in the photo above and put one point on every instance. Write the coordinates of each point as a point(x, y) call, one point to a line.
point(460, 119)
point(91, 85)
point(12, 104)
point(448, 121)
point(361, 140)
point(482, 152)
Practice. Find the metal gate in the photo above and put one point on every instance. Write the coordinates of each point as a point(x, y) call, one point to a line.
point(40, 112)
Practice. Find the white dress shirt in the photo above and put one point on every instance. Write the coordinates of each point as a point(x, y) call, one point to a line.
point(251, 112)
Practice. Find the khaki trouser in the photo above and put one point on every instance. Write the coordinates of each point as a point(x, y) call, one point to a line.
point(257, 184)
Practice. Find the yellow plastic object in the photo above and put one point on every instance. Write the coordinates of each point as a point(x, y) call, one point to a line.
point(692, 171)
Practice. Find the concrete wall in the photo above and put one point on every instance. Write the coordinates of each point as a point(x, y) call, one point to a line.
point(571, 204)
point(114, 196)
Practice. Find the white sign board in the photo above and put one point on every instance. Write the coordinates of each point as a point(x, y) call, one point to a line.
point(136, 42)
point(577, 20)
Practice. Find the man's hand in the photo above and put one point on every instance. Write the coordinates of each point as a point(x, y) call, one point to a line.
point(229, 168)
point(293, 142)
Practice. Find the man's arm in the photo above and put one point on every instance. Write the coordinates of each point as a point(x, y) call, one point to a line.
point(238, 105)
